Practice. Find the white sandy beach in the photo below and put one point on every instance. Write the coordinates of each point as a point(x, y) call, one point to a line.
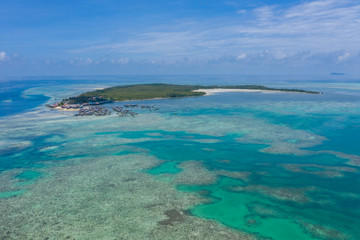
point(222, 90)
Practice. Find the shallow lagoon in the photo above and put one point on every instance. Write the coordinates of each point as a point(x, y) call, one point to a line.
point(227, 166)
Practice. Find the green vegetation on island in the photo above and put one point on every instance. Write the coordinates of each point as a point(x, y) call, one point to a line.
point(160, 90)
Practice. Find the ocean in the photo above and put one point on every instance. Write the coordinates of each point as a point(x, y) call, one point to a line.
point(236, 165)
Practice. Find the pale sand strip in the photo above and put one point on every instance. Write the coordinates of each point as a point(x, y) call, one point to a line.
point(222, 90)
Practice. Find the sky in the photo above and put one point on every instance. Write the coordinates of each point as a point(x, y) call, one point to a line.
point(97, 37)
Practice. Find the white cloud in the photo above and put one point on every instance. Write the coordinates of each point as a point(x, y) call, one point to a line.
point(265, 14)
point(88, 61)
point(2, 56)
point(241, 56)
point(120, 61)
point(343, 57)
point(81, 62)
point(294, 59)
point(315, 8)
point(280, 55)
point(242, 11)
point(50, 61)
point(320, 26)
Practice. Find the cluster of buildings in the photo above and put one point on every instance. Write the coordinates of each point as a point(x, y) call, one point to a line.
point(87, 109)
point(124, 112)
point(93, 111)
point(65, 105)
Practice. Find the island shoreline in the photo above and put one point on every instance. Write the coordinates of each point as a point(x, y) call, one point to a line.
point(143, 92)
point(214, 91)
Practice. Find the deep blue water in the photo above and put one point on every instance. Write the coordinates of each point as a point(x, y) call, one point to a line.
point(12, 99)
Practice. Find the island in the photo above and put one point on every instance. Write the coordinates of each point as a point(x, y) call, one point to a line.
point(149, 91)
point(161, 90)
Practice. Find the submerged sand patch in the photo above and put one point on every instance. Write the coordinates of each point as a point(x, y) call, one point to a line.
point(297, 195)
point(319, 170)
point(322, 232)
point(194, 173)
point(244, 176)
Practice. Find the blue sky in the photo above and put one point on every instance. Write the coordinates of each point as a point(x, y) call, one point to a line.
point(41, 37)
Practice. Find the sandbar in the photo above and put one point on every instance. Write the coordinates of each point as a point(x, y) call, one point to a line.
point(214, 91)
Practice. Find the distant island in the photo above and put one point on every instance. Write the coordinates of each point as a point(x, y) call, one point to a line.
point(156, 90)
point(160, 90)
point(337, 74)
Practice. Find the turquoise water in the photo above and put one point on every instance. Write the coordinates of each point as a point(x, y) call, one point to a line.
point(232, 207)
point(276, 166)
